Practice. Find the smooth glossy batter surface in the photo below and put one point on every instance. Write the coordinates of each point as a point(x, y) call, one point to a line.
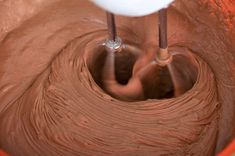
point(50, 104)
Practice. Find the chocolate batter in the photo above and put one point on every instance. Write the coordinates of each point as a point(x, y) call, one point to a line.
point(52, 103)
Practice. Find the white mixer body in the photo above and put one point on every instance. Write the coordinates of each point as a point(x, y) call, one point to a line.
point(132, 7)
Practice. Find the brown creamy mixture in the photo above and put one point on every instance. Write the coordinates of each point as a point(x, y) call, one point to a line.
point(52, 98)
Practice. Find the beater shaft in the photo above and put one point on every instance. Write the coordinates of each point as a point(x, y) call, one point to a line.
point(163, 29)
point(111, 26)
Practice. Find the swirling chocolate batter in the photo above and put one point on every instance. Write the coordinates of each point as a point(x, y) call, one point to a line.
point(52, 102)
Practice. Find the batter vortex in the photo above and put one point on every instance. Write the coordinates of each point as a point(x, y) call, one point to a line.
point(57, 116)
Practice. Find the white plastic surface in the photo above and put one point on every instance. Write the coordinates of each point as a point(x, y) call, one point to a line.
point(132, 7)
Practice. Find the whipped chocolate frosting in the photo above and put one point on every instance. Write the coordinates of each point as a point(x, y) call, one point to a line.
point(52, 104)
